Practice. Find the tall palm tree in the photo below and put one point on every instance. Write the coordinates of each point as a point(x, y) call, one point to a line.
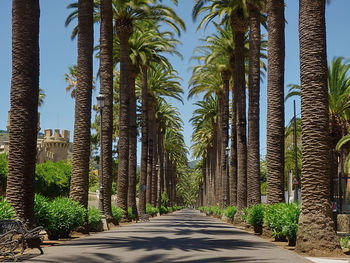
point(161, 83)
point(82, 122)
point(338, 82)
point(24, 108)
point(106, 88)
point(126, 12)
point(235, 14)
point(168, 117)
point(148, 46)
point(203, 122)
point(275, 101)
point(253, 171)
point(316, 234)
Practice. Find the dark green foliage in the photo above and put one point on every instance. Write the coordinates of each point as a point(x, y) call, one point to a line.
point(256, 217)
point(230, 212)
point(163, 210)
point(131, 216)
point(53, 179)
point(244, 214)
point(94, 219)
point(41, 210)
point(6, 210)
point(117, 213)
point(3, 172)
point(291, 220)
point(216, 211)
point(175, 208)
point(282, 219)
point(62, 216)
point(150, 210)
point(164, 199)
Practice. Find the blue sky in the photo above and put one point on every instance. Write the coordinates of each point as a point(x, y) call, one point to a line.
point(57, 52)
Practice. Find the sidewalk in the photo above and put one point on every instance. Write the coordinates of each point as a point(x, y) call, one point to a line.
point(183, 236)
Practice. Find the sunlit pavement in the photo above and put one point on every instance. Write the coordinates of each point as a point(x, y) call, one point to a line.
point(183, 236)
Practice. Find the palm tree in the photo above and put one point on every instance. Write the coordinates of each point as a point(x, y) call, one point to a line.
point(203, 121)
point(82, 123)
point(42, 96)
point(106, 88)
point(24, 109)
point(316, 234)
point(146, 46)
point(71, 79)
point(168, 117)
point(253, 152)
point(338, 98)
point(161, 83)
point(126, 12)
point(235, 14)
point(275, 102)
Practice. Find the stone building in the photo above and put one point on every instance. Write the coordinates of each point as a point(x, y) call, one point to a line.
point(54, 146)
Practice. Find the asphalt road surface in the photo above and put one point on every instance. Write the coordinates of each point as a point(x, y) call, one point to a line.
point(183, 236)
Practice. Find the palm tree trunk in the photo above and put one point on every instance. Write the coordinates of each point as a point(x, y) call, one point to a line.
point(233, 156)
point(253, 172)
point(124, 31)
point(150, 159)
point(132, 145)
point(225, 75)
point(106, 82)
point(218, 163)
point(160, 168)
point(316, 234)
point(242, 124)
point(144, 145)
point(24, 108)
point(154, 156)
point(82, 122)
point(275, 102)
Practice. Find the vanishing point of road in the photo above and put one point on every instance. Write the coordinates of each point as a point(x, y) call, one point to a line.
point(183, 236)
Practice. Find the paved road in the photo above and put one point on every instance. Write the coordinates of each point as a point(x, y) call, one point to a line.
point(183, 236)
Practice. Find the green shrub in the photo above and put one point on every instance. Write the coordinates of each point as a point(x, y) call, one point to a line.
point(163, 210)
point(64, 216)
point(53, 179)
point(3, 172)
point(273, 220)
point(291, 220)
point(216, 211)
point(117, 213)
point(282, 219)
point(164, 199)
point(131, 215)
point(6, 210)
point(94, 219)
point(150, 210)
point(41, 210)
point(230, 212)
point(244, 214)
point(344, 242)
point(256, 217)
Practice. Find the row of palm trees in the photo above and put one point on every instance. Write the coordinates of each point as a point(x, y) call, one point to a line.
point(144, 74)
point(225, 60)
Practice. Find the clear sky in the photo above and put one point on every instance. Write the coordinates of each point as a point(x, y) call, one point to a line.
point(57, 52)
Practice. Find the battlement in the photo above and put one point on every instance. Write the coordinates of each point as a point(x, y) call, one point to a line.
point(56, 136)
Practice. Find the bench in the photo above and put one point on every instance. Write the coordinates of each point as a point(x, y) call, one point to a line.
point(18, 232)
point(8, 244)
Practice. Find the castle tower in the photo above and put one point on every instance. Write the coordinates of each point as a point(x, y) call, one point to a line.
point(56, 145)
